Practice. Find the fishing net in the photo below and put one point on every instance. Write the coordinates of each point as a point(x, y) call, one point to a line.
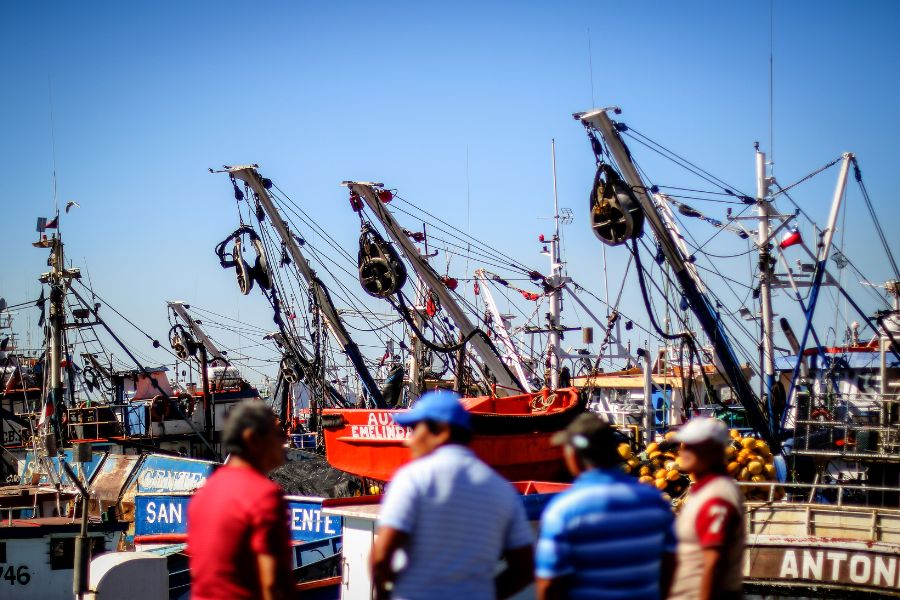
point(313, 476)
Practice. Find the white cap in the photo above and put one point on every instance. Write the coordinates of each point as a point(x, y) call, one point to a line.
point(703, 429)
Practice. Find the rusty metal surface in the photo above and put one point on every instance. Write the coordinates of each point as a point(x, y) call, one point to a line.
point(110, 480)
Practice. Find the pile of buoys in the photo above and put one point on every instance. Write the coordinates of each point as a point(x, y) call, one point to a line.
point(656, 466)
point(747, 459)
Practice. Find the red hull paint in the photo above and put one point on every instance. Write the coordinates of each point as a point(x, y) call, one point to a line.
point(510, 436)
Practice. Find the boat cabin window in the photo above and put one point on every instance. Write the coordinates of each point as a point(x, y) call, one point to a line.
point(62, 551)
point(2, 552)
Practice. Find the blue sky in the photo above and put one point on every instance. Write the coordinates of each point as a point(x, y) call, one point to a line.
point(146, 96)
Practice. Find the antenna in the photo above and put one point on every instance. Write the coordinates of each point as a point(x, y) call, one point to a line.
point(591, 67)
point(555, 195)
point(772, 85)
point(52, 143)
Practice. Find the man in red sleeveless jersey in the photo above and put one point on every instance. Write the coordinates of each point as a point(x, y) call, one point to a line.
point(238, 538)
point(710, 526)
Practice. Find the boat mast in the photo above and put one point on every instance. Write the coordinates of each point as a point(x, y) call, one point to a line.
point(697, 300)
point(765, 279)
point(57, 278)
point(512, 354)
point(250, 175)
point(819, 273)
point(506, 383)
point(556, 282)
point(417, 357)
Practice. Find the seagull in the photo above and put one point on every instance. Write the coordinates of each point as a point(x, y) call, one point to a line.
point(70, 204)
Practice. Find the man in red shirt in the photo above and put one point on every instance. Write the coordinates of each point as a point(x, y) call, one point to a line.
point(238, 538)
point(710, 526)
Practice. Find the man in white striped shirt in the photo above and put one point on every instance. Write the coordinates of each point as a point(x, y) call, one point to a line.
point(448, 517)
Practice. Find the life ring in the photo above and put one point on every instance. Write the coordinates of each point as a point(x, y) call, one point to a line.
point(821, 414)
point(160, 408)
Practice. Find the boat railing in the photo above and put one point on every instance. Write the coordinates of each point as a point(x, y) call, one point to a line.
point(826, 494)
point(858, 426)
point(97, 421)
point(793, 520)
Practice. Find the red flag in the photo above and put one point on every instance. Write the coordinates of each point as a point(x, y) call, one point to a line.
point(52, 223)
point(791, 238)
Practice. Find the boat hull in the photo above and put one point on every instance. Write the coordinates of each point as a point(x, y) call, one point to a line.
point(838, 548)
point(509, 434)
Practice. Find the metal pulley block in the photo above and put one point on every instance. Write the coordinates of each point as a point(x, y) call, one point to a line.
point(381, 272)
point(616, 216)
point(290, 372)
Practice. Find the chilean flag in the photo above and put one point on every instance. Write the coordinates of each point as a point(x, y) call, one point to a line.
point(791, 238)
point(47, 411)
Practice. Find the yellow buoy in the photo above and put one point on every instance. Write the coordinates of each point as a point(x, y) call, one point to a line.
point(673, 475)
point(733, 468)
point(661, 484)
point(755, 467)
point(651, 447)
point(645, 470)
point(625, 451)
point(646, 479)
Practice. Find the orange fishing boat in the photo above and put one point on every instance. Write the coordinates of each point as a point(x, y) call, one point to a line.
point(511, 434)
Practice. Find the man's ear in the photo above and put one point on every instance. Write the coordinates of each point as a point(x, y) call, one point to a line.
point(248, 437)
point(444, 434)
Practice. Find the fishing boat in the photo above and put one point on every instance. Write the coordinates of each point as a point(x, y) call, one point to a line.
point(512, 434)
point(829, 524)
point(74, 391)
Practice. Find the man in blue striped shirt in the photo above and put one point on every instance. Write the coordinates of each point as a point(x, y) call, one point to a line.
point(607, 537)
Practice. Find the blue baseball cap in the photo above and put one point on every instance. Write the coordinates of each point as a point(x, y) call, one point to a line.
point(441, 406)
